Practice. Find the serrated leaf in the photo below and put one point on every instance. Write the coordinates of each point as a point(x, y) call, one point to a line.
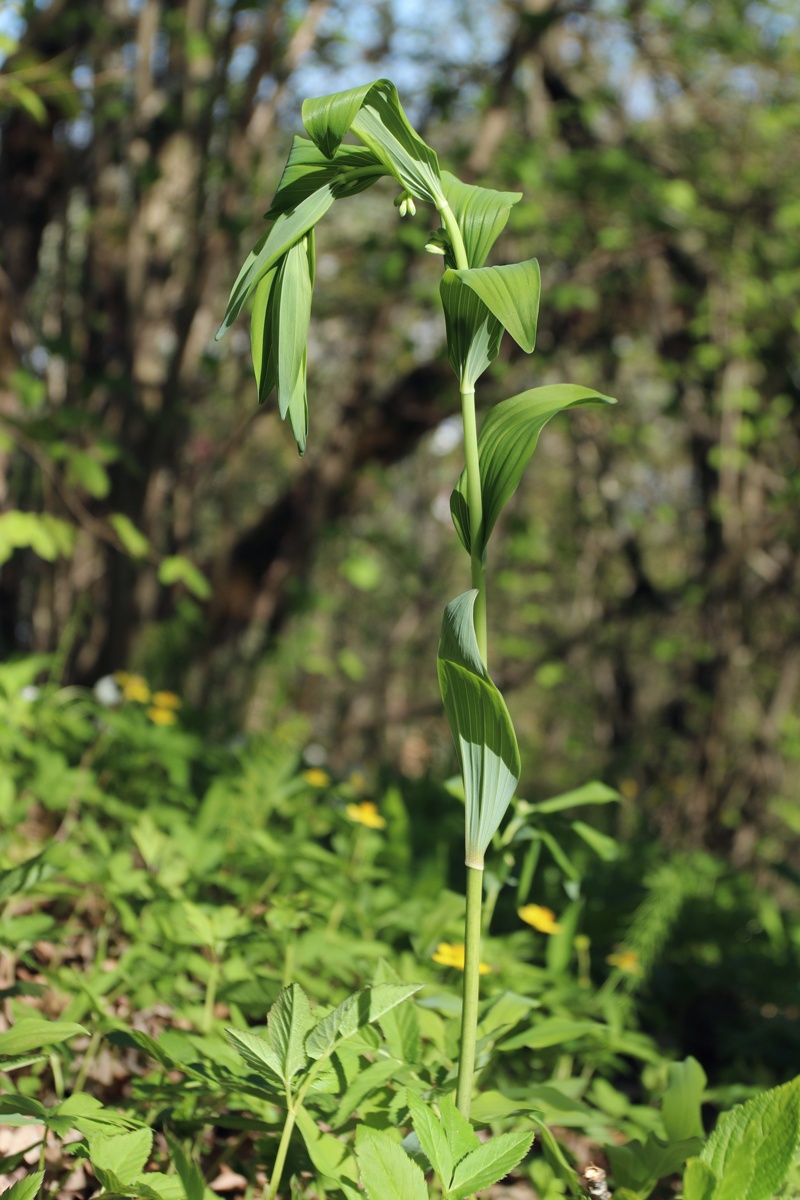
point(287, 229)
point(488, 1163)
point(680, 1108)
point(400, 1024)
point(24, 1189)
point(432, 1138)
point(511, 293)
point(481, 727)
point(387, 1172)
point(752, 1146)
point(324, 1035)
point(258, 1054)
point(123, 1155)
point(506, 442)
point(699, 1181)
point(461, 1137)
point(481, 213)
point(473, 334)
point(332, 1158)
point(136, 544)
point(34, 1034)
point(373, 1002)
point(352, 169)
point(288, 1022)
point(24, 1106)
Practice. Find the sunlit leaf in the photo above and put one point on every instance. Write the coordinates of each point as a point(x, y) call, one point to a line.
point(481, 727)
point(481, 213)
point(511, 293)
point(352, 169)
point(387, 1172)
point(506, 442)
point(489, 1162)
point(291, 317)
point(473, 334)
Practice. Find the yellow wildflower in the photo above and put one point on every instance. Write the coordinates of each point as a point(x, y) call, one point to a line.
point(166, 700)
point(541, 918)
point(366, 813)
point(627, 961)
point(162, 716)
point(450, 954)
point(317, 778)
point(134, 687)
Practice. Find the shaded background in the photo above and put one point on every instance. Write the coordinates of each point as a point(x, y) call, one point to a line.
point(644, 581)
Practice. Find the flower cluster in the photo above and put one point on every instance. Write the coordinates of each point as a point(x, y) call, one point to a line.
point(452, 954)
point(162, 706)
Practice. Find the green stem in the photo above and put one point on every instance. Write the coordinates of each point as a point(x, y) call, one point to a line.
point(469, 1010)
point(211, 995)
point(280, 1158)
point(475, 506)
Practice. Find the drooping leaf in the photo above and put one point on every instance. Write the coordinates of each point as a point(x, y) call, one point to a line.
point(263, 322)
point(328, 118)
point(287, 229)
point(506, 442)
point(432, 1138)
point(288, 1022)
point(352, 169)
point(291, 316)
point(473, 334)
point(752, 1146)
point(680, 1108)
point(387, 1172)
point(489, 1162)
point(481, 727)
point(481, 213)
point(511, 293)
point(34, 1034)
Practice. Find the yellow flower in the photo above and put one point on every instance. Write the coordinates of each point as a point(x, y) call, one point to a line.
point(162, 716)
point(627, 961)
point(366, 813)
point(449, 954)
point(166, 700)
point(541, 918)
point(134, 687)
point(317, 778)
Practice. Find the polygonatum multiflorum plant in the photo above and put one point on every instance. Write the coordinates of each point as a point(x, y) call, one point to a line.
point(480, 302)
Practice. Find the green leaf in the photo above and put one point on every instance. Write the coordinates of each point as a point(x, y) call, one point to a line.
point(328, 118)
point(136, 544)
point(271, 247)
point(640, 1166)
point(288, 1022)
point(178, 569)
point(352, 169)
point(473, 334)
point(190, 1174)
point(507, 440)
point(432, 1138)
point(553, 1031)
point(323, 1037)
point(332, 1158)
point(400, 1024)
point(22, 877)
point(22, 1106)
point(263, 321)
point(123, 1155)
point(605, 847)
point(699, 1181)
point(589, 793)
point(24, 1189)
point(489, 1162)
point(481, 213)
point(680, 1108)
point(752, 1147)
point(387, 1172)
point(86, 472)
point(480, 725)
point(461, 1137)
point(373, 1003)
point(258, 1054)
point(34, 1034)
point(291, 313)
point(511, 294)
point(366, 1083)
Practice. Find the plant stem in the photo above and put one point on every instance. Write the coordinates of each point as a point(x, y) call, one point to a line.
point(280, 1158)
point(475, 506)
point(469, 1010)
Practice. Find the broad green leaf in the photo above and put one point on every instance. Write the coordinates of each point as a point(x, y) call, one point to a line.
point(481, 213)
point(323, 1037)
point(488, 1163)
point(480, 725)
point(263, 321)
point(432, 1138)
point(461, 1137)
point(122, 1154)
point(511, 294)
point(400, 1024)
point(352, 169)
point(22, 1106)
point(24, 1189)
point(680, 1108)
point(506, 442)
point(288, 1022)
point(640, 1166)
point(473, 334)
point(259, 1054)
point(387, 1172)
point(553, 1031)
point(178, 569)
point(373, 1002)
point(753, 1145)
point(328, 118)
point(271, 247)
point(332, 1158)
point(699, 1181)
point(136, 544)
point(590, 793)
point(291, 318)
point(33, 1034)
